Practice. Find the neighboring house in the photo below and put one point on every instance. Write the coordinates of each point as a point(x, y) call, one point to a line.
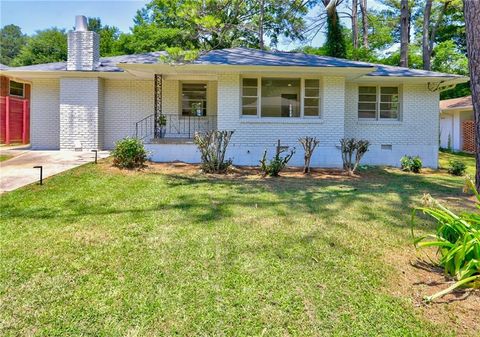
point(90, 102)
point(14, 109)
point(457, 128)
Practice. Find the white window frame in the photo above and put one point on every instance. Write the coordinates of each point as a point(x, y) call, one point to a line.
point(9, 89)
point(181, 98)
point(378, 102)
point(302, 97)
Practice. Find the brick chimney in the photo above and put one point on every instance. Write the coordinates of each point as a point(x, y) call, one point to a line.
point(83, 47)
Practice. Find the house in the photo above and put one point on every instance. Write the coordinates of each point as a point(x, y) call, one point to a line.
point(457, 128)
point(90, 102)
point(14, 110)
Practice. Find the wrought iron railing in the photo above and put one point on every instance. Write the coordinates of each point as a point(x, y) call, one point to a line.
point(174, 126)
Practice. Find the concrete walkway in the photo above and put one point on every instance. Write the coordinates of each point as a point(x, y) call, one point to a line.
point(18, 171)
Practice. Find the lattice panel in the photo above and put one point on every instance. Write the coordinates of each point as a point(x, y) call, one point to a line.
point(468, 131)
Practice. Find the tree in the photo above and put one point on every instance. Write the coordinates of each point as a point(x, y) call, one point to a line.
point(404, 32)
point(426, 35)
point(355, 23)
point(471, 9)
point(49, 45)
point(109, 36)
point(364, 10)
point(11, 41)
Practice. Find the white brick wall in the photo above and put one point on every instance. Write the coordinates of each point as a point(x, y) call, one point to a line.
point(416, 133)
point(125, 103)
point(79, 113)
point(83, 50)
point(45, 114)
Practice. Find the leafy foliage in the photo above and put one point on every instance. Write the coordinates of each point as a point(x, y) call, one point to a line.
point(273, 167)
point(352, 152)
point(335, 45)
point(458, 241)
point(213, 147)
point(457, 167)
point(11, 41)
point(129, 153)
point(411, 164)
point(49, 45)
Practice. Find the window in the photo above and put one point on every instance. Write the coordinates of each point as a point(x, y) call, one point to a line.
point(249, 96)
point(280, 97)
point(194, 99)
point(311, 100)
point(378, 102)
point(16, 89)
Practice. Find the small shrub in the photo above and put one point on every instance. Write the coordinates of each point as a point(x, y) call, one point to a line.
point(277, 164)
point(129, 153)
point(411, 164)
point(457, 168)
point(457, 240)
point(309, 144)
point(213, 147)
point(352, 152)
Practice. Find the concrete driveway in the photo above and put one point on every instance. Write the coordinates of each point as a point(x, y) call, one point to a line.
point(18, 171)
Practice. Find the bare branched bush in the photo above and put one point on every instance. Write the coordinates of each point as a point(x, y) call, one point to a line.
point(277, 163)
point(213, 147)
point(309, 144)
point(352, 152)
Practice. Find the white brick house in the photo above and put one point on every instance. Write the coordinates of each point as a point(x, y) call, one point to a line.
point(90, 102)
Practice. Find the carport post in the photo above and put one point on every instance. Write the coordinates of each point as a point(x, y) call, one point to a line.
point(7, 120)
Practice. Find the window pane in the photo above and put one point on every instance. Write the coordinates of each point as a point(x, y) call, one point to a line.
point(249, 92)
point(250, 82)
point(366, 114)
point(389, 90)
point(367, 98)
point(367, 106)
point(312, 84)
point(389, 98)
point(16, 88)
point(311, 111)
point(311, 92)
point(280, 97)
point(249, 101)
point(311, 102)
point(388, 114)
point(249, 111)
point(389, 106)
point(367, 90)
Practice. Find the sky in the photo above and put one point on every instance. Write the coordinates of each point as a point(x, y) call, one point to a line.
point(31, 16)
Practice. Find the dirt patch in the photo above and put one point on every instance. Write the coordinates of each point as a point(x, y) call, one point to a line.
point(248, 172)
point(417, 277)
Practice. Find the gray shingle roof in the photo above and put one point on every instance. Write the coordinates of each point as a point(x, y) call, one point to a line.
point(4, 67)
point(248, 57)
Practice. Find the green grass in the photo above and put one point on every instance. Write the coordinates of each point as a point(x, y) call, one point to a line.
point(96, 253)
point(466, 158)
point(4, 157)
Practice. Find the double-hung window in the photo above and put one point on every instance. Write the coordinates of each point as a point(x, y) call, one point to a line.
point(378, 103)
point(280, 97)
point(194, 99)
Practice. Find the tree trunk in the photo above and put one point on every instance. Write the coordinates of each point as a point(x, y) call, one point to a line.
point(471, 10)
point(261, 43)
point(363, 8)
point(404, 29)
point(355, 23)
point(426, 53)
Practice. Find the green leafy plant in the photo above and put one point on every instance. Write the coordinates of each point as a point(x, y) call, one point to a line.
point(457, 239)
point(457, 167)
point(273, 167)
point(352, 152)
point(213, 147)
point(411, 164)
point(162, 120)
point(129, 153)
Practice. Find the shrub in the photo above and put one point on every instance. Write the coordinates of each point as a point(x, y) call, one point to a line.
point(309, 144)
point(411, 164)
point(458, 241)
point(352, 152)
point(457, 168)
point(213, 146)
point(277, 164)
point(129, 153)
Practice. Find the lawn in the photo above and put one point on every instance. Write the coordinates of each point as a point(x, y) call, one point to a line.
point(102, 252)
point(467, 158)
point(4, 157)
